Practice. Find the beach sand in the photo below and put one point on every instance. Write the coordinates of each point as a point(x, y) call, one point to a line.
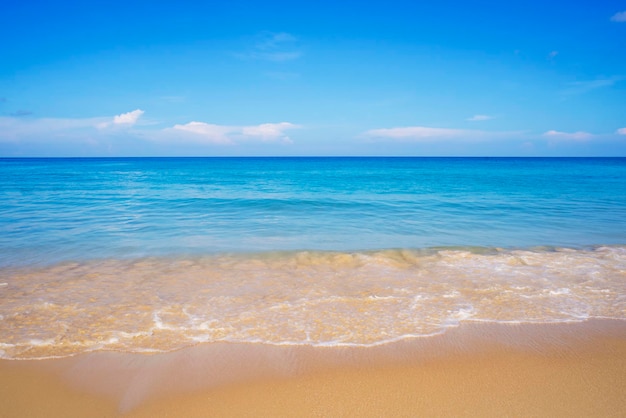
point(475, 369)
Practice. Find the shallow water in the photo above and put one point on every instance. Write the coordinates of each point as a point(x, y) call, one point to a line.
point(56, 210)
point(315, 298)
point(148, 255)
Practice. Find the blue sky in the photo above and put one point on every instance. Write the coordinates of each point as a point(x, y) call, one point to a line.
point(192, 78)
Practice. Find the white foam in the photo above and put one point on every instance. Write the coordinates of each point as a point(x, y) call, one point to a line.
point(558, 292)
point(319, 299)
point(35, 342)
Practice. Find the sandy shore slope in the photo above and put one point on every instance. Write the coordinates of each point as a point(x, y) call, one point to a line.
point(473, 370)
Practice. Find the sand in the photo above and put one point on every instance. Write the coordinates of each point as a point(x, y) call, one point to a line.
point(473, 370)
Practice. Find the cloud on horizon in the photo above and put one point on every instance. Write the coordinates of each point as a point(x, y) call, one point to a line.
point(17, 128)
point(416, 133)
point(569, 136)
point(425, 134)
point(230, 135)
point(430, 134)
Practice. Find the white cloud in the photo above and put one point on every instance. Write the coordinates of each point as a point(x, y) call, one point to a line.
point(619, 17)
point(621, 131)
point(416, 133)
point(580, 87)
point(268, 131)
point(553, 54)
point(129, 118)
point(573, 136)
point(215, 134)
point(428, 134)
point(42, 130)
point(477, 118)
point(224, 134)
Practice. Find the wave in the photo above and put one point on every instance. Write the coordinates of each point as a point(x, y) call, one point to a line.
point(316, 298)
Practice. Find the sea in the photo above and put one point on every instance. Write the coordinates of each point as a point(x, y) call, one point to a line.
point(151, 255)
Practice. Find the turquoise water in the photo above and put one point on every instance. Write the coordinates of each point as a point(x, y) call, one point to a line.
point(78, 209)
point(146, 255)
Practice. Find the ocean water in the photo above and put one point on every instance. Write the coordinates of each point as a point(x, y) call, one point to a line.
point(154, 254)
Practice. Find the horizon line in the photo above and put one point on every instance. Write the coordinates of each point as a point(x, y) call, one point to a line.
point(310, 156)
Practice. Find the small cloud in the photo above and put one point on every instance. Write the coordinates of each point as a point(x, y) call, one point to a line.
point(573, 136)
point(283, 37)
point(271, 40)
point(429, 134)
point(416, 133)
point(102, 129)
point(215, 134)
point(20, 113)
point(580, 87)
point(619, 17)
point(269, 131)
point(129, 118)
point(553, 54)
point(621, 131)
point(123, 120)
point(477, 118)
point(271, 46)
point(229, 135)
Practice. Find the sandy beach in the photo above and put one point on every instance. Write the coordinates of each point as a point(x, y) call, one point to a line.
point(574, 369)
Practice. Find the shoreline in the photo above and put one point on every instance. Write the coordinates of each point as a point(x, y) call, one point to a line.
point(473, 369)
point(163, 304)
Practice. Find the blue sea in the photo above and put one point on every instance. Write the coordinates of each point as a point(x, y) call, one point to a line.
point(151, 254)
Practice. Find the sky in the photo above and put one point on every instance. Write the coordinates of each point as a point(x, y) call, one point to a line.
point(323, 78)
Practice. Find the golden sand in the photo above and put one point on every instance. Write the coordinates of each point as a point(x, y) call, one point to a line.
point(473, 370)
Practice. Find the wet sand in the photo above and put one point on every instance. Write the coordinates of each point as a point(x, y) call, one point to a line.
point(473, 370)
